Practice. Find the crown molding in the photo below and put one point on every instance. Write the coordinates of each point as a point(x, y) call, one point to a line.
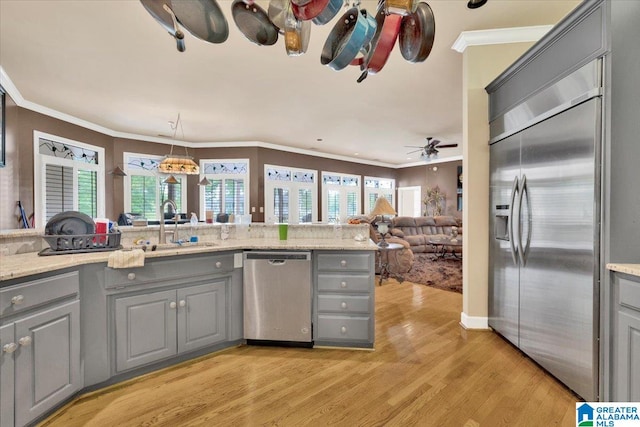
point(500, 36)
point(20, 101)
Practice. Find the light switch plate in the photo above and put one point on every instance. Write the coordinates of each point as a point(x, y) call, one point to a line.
point(237, 260)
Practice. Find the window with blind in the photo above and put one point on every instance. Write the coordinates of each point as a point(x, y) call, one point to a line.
point(68, 176)
point(291, 194)
point(145, 189)
point(227, 191)
point(340, 196)
point(378, 187)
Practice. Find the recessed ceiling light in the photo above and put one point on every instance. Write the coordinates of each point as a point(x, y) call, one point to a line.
point(319, 139)
point(356, 154)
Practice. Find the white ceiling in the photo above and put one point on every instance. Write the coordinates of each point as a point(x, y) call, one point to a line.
point(111, 64)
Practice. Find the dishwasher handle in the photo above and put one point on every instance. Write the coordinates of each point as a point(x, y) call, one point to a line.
point(279, 256)
point(277, 262)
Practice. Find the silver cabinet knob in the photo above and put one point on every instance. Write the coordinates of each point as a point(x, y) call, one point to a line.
point(17, 300)
point(343, 330)
point(218, 264)
point(343, 284)
point(25, 341)
point(182, 303)
point(172, 304)
point(343, 263)
point(10, 348)
point(343, 305)
point(131, 276)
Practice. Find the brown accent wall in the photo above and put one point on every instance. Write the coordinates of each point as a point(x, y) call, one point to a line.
point(21, 123)
point(17, 177)
point(10, 173)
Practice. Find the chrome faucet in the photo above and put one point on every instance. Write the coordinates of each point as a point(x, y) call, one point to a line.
point(174, 233)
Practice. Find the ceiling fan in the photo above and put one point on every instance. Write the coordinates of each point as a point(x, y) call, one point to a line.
point(430, 149)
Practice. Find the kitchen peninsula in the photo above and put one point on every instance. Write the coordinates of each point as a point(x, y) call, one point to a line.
point(105, 325)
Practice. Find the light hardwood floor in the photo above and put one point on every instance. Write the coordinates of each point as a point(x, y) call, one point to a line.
point(426, 370)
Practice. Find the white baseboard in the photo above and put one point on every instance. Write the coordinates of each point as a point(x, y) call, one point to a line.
point(473, 322)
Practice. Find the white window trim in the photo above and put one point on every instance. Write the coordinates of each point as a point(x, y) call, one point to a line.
point(293, 188)
point(39, 162)
point(247, 187)
point(159, 178)
point(343, 195)
point(368, 190)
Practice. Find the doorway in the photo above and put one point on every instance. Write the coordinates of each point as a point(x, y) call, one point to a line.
point(409, 201)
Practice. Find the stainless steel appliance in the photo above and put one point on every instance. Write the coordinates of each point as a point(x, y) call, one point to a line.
point(544, 245)
point(277, 298)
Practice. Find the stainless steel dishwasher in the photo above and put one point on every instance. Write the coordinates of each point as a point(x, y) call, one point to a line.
point(277, 298)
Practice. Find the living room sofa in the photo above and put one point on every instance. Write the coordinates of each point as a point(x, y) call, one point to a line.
point(417, 231)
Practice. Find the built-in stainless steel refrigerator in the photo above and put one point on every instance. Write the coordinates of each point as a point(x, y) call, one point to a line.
point(544, 244)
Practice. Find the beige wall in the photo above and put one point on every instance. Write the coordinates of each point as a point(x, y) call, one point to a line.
point(445, 177)
point(481, 65)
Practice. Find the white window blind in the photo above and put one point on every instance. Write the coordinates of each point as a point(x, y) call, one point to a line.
point(145, 188)
point(291, 194)
point(227, 191)
point(378, 187)
point(59, 190)
point(68, 176)
point(341, 196)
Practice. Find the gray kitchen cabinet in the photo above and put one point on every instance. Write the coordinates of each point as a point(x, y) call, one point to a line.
point(201, 315)
point(40, 343)
point(157, 325)
point(344, 299)
point(145, 329)
point(625, 344)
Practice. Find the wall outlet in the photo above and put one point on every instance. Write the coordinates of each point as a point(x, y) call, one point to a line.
point(261, 209)
point(253, 209)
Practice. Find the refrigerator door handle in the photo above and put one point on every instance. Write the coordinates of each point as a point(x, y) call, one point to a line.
point(523, 249)
point(514, 250)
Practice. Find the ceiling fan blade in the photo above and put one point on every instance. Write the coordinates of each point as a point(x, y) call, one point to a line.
point(434, 142)
point(447, 145)
point(414, 151)
point(414, 146)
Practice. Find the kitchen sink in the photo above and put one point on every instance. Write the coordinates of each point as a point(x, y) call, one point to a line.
point(173, 246)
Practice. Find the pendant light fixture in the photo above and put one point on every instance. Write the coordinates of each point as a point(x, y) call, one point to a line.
point(117, 171)
point(175, 163)
point(171, 180)
point(204, 181)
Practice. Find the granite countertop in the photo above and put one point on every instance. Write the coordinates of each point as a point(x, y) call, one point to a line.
point(633, 269)
point(21, 265)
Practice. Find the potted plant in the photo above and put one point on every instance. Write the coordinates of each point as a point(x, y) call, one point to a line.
point(434, 201)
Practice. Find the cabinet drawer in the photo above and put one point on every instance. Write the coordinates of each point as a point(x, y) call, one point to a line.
point(343, 328)
point(345, 282)
point(167, 270)
point(344, 261)
point(629, 293)
point(14, 299)
point(352, 304)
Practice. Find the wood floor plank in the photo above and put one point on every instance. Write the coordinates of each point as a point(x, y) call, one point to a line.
point(425, 370)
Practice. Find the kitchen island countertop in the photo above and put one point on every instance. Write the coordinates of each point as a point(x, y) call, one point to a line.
point(21, 265)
